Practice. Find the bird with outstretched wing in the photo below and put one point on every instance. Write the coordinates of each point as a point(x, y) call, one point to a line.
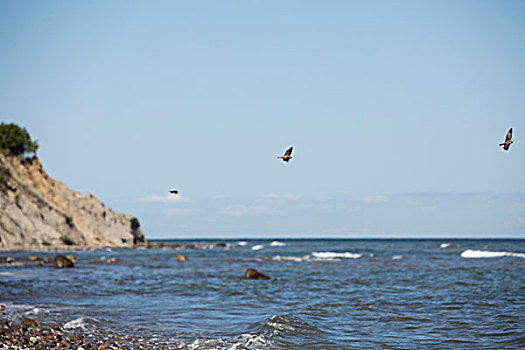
point(287, 155)
point(508, 141)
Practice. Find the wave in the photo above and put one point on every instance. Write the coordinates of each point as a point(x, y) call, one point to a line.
point(82, 322)
point(35, 311)
point(472, 253)
point(242, 243)
point(292, 258)
point(334, 255)
point(319, 256)
point(275, 332)
point(445, 245)
point(245, 341)
point(257, 247)
point(277, 244)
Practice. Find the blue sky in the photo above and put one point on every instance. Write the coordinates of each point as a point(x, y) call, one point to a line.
point(395, 111)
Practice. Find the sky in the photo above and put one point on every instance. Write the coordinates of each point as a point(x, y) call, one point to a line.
point(395, 111)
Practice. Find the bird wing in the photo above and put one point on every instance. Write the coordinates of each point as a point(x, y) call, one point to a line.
point(288, 152)
point(509, 135)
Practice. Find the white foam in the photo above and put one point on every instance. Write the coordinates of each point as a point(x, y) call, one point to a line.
point(34, 311)
point(397, 257)
point(277, 244)
point(291, 258)
point(257, 247)
point(472, 253)
point(334, 255)
point(242, 243)
point(319, 256)
point(82, 322)
point(252, 340)
point(244, 341)
point(445, 245)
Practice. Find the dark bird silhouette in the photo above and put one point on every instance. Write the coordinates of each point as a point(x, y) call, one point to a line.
point(287, 155)
point(508, 141)
point(174, 191)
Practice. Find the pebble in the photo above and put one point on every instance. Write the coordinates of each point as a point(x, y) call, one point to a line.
point(20, 336)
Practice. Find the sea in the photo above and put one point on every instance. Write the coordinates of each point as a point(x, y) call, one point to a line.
point(323, 293)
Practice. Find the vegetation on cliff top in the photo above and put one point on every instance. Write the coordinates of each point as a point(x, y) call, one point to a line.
point(15, 140)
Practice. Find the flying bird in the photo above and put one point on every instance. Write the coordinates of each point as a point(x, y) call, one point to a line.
point(174, 191)
point(287, 155)
point(508, 141)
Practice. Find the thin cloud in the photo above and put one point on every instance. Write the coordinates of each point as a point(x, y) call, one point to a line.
point(238, 210)
point(374, 199)
point(178, 212)
point(279, 197)
point(157, 198)
point(233, 211)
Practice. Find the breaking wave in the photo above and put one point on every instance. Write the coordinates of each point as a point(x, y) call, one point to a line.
point(277, 244)
point(472, 253)
point(277, 331)
point(333, 255)
point(319, 256)
point(82, 322)
point(242, 342)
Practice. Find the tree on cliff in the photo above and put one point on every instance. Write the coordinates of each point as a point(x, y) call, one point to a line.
point(15, 140)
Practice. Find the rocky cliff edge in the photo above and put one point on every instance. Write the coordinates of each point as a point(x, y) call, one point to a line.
point(38, 212)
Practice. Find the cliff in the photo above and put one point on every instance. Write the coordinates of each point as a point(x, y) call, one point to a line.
point(38, 212)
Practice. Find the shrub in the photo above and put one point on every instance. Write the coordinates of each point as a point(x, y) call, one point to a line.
point(15, 140)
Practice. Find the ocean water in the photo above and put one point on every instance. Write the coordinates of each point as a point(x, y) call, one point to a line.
point(324, 294)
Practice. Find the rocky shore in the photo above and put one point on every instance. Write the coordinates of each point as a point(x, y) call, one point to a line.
point(27, 334)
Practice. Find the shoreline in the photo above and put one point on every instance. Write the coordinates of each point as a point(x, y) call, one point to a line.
point(28, 334)
point(71, 248)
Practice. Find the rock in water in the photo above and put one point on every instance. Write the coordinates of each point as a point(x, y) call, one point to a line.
point(29, 322)
point(181, 257)
point(253, 274)
point(61, 262)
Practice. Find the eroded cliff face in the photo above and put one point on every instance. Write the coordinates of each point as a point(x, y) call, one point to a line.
point(39, 212)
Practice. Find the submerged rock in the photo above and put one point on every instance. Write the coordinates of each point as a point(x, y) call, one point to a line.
point(181, 257)
point(253, 274)
point(62, 262)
